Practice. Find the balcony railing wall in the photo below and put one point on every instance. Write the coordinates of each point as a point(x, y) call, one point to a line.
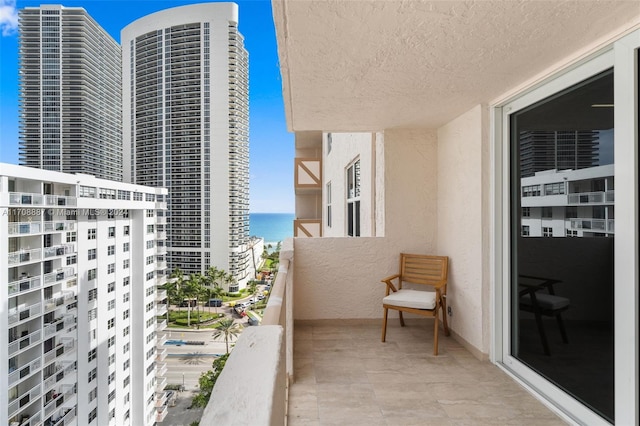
point(252, 388)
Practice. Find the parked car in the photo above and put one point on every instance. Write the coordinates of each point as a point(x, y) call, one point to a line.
point(216, 303)
point(188, 302)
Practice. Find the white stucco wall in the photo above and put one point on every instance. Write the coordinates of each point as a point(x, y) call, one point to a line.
point(461, 223)
point(345, 149)
point(339, 278)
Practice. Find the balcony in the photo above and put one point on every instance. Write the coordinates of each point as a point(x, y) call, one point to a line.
point(340, 373)
point(587, 198)
point(161, 354)
point(160, 384)
point(24, 285)
point(161, 309)
point(23, 313)
point(59, 250)
point(59, 275)
point(161, 340)
point(24, 256)
point(60, 200)
point(592, 225)
point(25, 199)
point(307, 228)
point(24, 228)
point(24, 343)
point(308, 175)
point(161, 325)
point(24, 399)
point(161, 414)
point(161, 295)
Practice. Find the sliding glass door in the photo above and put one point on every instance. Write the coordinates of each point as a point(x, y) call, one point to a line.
point(562, 235)
point(567, 292)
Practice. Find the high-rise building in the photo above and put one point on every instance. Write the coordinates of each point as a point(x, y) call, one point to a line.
point(185, 127)
point(542, 150)
point(70, 93)
point(81, 259)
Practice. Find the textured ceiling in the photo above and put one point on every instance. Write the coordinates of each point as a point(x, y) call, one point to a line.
point(368, 65)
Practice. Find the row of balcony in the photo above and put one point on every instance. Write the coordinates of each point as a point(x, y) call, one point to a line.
point(31, 228)
point(26, 284)
point(32, 199)
point(37, 254)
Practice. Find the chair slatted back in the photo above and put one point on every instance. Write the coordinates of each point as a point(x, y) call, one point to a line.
point(423, 269)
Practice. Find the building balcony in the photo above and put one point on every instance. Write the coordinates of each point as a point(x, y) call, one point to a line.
point(161, 309)
point(161, 295)
point(307, 228)
point(586, 198)
point(307, 175)
point(161, 399)
point(24, 256)
point(161, 369)
point(24, 343)
point(160, 384)
point(24, 285)
point(23, 399)
point(161, 414)
point(161, 354)
point(24, 313)
point(25, 199)
point(162, 280)
point(24, 228)
point(59, 250)
point(338, 371)
point(60, 200)
point(24, 371)
point(161, 325)
point(592, 225)
point(59, 226)
point(59, 275)
point(162, 339)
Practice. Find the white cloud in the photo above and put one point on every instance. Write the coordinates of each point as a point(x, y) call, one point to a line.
point(8, 17)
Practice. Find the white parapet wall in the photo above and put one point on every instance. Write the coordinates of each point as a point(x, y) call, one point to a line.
point(252, 387)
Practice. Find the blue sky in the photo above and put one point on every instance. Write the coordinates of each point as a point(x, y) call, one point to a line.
point(271, 146)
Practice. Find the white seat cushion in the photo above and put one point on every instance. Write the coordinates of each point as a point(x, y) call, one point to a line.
point(408, 298)
point(546, 301)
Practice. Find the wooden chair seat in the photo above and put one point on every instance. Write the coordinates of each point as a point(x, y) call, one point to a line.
point(430, 271)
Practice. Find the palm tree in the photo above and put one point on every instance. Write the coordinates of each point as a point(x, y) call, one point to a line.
point(253, 289)
point(227, 328)
point(190, 289)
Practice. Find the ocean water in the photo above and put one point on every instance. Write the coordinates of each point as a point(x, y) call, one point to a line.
point(273, 227)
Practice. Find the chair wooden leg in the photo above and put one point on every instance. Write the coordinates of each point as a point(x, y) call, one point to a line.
point(445, 325)
point(543, 335)
point(563, 331)
point(435, 334)
point(384, 324)
point(401, 319)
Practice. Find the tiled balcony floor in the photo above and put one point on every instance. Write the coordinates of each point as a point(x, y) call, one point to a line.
point(344, 375)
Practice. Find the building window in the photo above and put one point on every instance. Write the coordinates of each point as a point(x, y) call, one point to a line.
point(72, 260)
point(526, 212)
point(125, 247)
point(92, 294)
point(92, 354)
point(92, 374)
point(111, 250)
point(125, 298)
point(571, 212)
point(91, 234)
point(125, 331)
point(554, 188)
point(91, 254)
point(91, 274)
point(572, 233)
point(547, 212)
point(111, 341)
point(111, 287)
point(547, 232)
point(125, 281)
point(112, 396)
point(112, 377)
point(125, 264)
point(125, 314)
point(112, 231)
point(111, 323)
point(126, 230)
point(353, 199)
point(92, 395)
point(111, 268)
point(149, 260)
point(71, 237)
point(111, 304)
point(525, 230)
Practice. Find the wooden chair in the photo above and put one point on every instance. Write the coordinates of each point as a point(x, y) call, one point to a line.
point(430, 271)
point(534, 299)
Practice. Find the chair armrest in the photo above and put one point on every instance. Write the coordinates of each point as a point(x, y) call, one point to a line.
point(387, 281)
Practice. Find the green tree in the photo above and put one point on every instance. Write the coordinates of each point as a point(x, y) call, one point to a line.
point(174, 286)
point(208, 380)
point(191, 288)
point(227, 328)
point(253, 289)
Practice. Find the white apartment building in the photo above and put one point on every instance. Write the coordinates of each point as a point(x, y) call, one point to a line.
point(571, 203)
point(81, 260)
point(70, 93)
point(185, 123)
